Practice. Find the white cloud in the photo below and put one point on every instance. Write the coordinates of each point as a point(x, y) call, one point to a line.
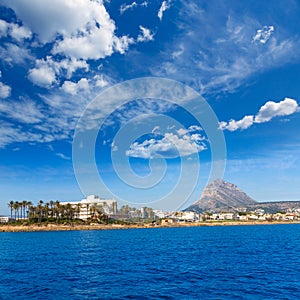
point(264, 34)
point(155, 130)
point(68, 16)
point(42, 76)
point(19, 32)
point(24, 111)
point(3, 28)
point(14, 54)
point(46, 70)
point(122, 44)
point(214, 61)
point(233, 125)
point(170, 145)
point(178, 52)
point(73, 88)
point(272, 109)
point(125, 7)
point(182, 131)
point(11, 134)
point(100, 81)
point(195, 128)
point(146, 35)
point(83, 29)
point(63, 156)
point(14, 30)
point(5, 90)
point(52, 119)
point(266, 113)
point(164, 6)
point(67, 66)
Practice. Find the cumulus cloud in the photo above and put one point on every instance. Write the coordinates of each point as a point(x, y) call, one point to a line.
point(264, 34)
point(272, 109)
point(164, 6)
point(67, 66)
point(266, 113)
point(145, 35)
point(233, 125)
point(125, 7)
point(46, 70)
point(83, 29)
point(42, 76)
point(73, 88)
point(183, 142)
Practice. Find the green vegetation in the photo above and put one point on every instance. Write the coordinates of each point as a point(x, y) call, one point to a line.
point(53, 212)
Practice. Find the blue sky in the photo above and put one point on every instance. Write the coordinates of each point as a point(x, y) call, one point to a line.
point(58, 56)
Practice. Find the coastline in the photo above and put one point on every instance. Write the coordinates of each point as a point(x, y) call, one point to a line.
point(55, 227)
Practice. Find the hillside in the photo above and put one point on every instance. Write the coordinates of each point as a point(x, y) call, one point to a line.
point(219, 196)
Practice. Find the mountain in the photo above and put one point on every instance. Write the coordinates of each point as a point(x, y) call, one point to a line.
point(221, 196)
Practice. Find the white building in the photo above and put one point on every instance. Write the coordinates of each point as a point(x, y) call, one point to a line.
point(85, 206)
point(189, 216)
point(159, 213)
point(4, 219)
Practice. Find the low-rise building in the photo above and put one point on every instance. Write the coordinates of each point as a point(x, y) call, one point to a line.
point(4, 219)
point(159, 213)
point(189, 216)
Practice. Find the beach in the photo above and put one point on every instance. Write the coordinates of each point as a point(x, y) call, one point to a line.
point(69, 227)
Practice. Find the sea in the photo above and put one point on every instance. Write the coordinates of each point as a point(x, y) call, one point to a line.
point(219, 262)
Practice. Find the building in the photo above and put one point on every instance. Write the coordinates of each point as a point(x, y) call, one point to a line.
point(84, 208)
point(4, 219)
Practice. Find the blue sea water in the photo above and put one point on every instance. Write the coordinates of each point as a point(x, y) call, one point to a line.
point(223, 262)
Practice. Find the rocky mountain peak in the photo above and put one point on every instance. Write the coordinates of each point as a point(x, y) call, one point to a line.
point(221, 195)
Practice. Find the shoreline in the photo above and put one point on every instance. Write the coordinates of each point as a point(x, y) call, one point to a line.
point(55, 227)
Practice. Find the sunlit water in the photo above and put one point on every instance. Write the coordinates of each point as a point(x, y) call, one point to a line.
point(231, 262)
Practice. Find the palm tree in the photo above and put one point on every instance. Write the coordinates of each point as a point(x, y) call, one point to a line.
point(40, 210)
point(57, 210)
point(46, 210)
point(16, 208)
point(51, 203)
point(87, 211)
point(69, 211)
point(23, 205)
point(29, 206)
point(11, 206)
point(78, 209)
point(93, 210)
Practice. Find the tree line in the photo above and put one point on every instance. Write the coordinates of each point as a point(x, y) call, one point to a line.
point(53, 211)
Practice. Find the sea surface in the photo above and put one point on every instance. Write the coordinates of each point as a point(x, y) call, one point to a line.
point(223, 262)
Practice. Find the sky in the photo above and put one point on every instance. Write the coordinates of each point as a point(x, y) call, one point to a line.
point(147, 101)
